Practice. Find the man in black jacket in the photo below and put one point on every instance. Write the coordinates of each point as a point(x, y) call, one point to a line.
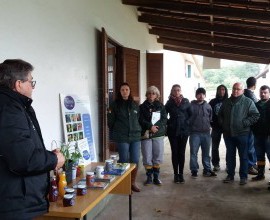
point(252, 159)
point(261, 131)
point(24, 161)
point(216, 133)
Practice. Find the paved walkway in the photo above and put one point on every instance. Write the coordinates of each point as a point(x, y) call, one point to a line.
point(204, 198)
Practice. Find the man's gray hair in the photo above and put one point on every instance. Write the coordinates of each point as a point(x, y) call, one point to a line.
point(13, 70)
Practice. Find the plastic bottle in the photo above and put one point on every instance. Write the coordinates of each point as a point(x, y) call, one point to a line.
point(62, 184)
point(53, 193)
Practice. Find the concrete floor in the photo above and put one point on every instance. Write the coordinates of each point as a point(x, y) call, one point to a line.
point(204, 198)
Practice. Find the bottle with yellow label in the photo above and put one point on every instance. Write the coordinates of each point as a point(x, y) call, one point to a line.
point(62, 184)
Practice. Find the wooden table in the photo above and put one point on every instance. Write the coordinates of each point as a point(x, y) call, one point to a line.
point(84, 204)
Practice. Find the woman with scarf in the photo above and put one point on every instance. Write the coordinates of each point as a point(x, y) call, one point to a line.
point(179, 110)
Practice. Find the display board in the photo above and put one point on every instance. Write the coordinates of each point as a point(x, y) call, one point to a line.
point(77, 121)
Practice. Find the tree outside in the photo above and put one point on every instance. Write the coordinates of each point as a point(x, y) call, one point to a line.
point(228, 76)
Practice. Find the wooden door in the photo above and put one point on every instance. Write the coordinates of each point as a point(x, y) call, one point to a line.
point(119, 64)
point(154, 71)
point(104, 99)
point(131, 70)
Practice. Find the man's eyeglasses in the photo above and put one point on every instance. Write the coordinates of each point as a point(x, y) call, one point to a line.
point(33, 82)
point(238, 89)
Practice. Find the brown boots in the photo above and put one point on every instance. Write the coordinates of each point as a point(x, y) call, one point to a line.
point(134, 186)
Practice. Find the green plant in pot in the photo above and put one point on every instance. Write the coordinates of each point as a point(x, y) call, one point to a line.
point(72, 155)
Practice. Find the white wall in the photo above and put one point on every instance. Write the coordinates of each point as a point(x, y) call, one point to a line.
point(60, 39)
point(175, 73)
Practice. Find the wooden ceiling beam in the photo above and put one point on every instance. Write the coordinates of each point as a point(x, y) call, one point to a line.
point(180, 15)
point(244, 3)
point(217, 54)
point(216, 48)
point(203, 9)
point(203, 26)
point(207, 38)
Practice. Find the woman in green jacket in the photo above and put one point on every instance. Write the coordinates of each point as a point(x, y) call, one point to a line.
point(123, 116)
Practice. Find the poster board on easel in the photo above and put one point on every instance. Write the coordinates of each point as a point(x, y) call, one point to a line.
point(77, 123)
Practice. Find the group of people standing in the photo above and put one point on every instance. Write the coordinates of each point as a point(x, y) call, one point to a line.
point(243, 122)
point(25, 163)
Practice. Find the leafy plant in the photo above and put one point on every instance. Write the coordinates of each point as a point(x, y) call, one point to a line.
point(71, 153)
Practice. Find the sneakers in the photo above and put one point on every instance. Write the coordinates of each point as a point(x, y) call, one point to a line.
point(252, 171)
point(176, 178)
point(181, 179)
point(216, 168)
point(209, 173)
point(243, 182)
point(228, 179)
point(194, 174)
point(258, 178)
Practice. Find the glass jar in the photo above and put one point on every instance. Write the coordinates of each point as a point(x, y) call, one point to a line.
point(90, 179)
point(62, 184)
point(53, 193)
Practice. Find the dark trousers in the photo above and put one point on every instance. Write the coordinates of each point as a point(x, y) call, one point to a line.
point(216, 137)
point(262, 146)
point(178, 147)
point(252, 157)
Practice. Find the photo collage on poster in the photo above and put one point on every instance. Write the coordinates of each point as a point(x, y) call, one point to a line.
point(74, 127)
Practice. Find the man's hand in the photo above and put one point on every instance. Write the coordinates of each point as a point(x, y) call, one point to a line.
point(60, 158)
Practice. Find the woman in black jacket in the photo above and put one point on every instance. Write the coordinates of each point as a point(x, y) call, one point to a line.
point(123, 120)
point(153, 120)
point(179, 110)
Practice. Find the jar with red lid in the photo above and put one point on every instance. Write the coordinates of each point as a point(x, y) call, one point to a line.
point(53, 193)
point(90, 179)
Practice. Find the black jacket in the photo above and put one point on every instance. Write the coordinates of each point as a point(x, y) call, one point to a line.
point(262, 127)
point(179, 121)
point(250, 94)
point(24, 161)
point(123, 120)
point(146, 110)
point(216, 105)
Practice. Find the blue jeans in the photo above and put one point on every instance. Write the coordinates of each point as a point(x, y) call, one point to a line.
point(195, 141)
point(252, 157)
point(262, 146)
point(240, 143)
point(129, 152)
